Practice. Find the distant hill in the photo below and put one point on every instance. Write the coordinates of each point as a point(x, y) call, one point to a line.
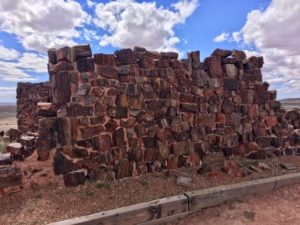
point(7, 110)
point(8, 118)
point(290, 100)
point(7, 104)
point(290, 103)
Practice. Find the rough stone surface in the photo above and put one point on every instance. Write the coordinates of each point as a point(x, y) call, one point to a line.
point(139, 109)
point(28, 97)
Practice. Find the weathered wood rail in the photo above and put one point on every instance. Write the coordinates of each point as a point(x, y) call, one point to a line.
point(168, 209)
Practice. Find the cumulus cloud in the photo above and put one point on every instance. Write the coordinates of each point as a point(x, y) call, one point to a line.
point(129, 23)
point(7, 92)
point(16, 67)
point(274, 33)
point(33, 62)
point(222, 37)
point(42, 24)
point(9, 71)
point(276, 27)
point(226, 36)
point(8, 54)
point(90, 3)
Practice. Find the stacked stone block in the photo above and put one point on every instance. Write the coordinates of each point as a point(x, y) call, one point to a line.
point(139, 111)
point(28, 97)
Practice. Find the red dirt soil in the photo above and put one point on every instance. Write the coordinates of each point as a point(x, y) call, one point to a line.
point(44, 199)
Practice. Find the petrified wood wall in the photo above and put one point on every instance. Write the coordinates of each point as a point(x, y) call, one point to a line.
point(137, 111)
point(28, 96)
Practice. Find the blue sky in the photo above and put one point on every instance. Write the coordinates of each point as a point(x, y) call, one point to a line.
point(260, 27)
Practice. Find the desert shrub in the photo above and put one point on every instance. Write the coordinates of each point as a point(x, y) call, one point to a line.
point(3, 145)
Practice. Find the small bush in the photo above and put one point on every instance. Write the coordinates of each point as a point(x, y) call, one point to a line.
point(100, 185)
point(3, 145)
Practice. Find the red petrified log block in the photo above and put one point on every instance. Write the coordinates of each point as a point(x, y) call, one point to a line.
point(125, 56)
point(172, 162)
point(194, 57)
point(230, 70)
point(91, 131)
point(124, 168)
point(259, 154)
point(46, 109)
point(67, 130)
point(13, 134)
point(272, 94)
point(168, 55)
point(63, 163)
point(227, 106)
point(62, 91)
point(52, 56)
point(64, 54)
point(164, 150)
point(85, 64)
point(107, 72)
point(271, 121)
point(5, 158)
point(104, 59)
point(163, 63)
point(10, 176)
point(239, 55)
point(182, 148)
point(16, 150)
point(214, 66)
point(81, 51)
point(118, 137)
point(175, 64)
point(101, 143)
point(75, 178)
point(230, 84)
point(77, 109)
point(28, 142)
point(189, 107)
point(256, 61)
point(275, 104)
point(61, 66)
point(222, 53)
point(263, 142)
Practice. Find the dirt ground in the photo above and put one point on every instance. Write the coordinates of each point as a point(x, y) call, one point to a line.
point(7, 117)
point(44, 199)
point(277, 208)
point(8, 122)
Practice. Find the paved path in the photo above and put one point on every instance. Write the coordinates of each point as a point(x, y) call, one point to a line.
point(278, 208)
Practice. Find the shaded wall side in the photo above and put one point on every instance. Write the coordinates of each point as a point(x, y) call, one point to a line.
point(28, 96)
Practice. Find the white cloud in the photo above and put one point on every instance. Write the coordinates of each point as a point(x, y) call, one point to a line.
point(226, 36)
point(129, 23)
point(89, 34)
point(33, 62)
point(7, 92)
point(8, 54)
point(276, 27)
point(275, 34)
point(236, 36)
point(9, 71)
point(90, 3)
point(42, 24)
point(222, 37)
point(15, 66)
